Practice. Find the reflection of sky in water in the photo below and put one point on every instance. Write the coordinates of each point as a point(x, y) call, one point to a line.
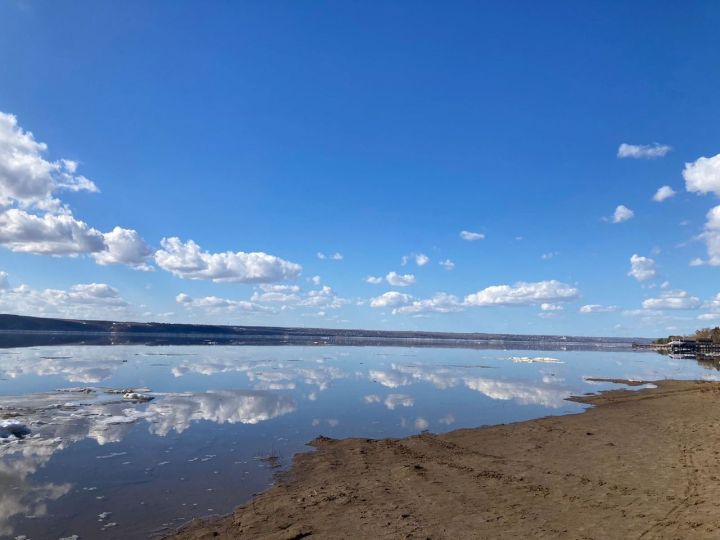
point(194, 449)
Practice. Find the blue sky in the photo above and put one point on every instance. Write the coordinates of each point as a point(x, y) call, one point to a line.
point(375, 131)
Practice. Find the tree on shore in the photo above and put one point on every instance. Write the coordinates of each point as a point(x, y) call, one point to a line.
point(709, 333)
point(703, 333)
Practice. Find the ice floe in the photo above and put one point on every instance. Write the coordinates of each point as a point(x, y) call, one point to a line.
point(535, 360)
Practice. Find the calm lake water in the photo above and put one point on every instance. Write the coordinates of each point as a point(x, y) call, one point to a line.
point(97, 465)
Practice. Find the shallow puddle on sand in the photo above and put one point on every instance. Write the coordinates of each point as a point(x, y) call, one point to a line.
point(223, 420)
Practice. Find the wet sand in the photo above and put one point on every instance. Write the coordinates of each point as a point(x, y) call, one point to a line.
point(639, 464)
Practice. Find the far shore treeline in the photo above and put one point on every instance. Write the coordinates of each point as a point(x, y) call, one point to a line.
point(712, 334)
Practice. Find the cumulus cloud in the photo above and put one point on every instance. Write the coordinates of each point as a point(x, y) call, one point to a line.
point(26, 177)
point(187, 260)
point(87, 300)
point(447, 264)
point(642, 268)
point(672, 300)
point(663, 193)
point(374, 280)
point(324, 298)
point(622, 213)
point(703, 175)
point(439, 303)
point(290, 295)
point(405, 304)
point(421, 259)
point(334, 257)
point(34, 220)
point(390, 299)
point(64, 235)
point(216, 304)
point(643, 151)
point(471, 236)
point(597, 308)
point(284, 294)
point(398, 280)
point(50, 234)
point(711, 236)
point(124, 246)
point(523, 293)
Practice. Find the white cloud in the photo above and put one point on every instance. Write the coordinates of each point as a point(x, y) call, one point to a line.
point(714, 303)
point(523, 293)
point(290, 295)
point(447, 264)
point(315, 280)
point(28, 179)
point(334, 257)
point(597, 308)
point(551, 307)
point(283, 294)
point(439, 303)
point(398, 280)
point(421, 259)
point(643, 151)
point(421, 423)
point(50, 234)
point(703, 175)
point(267, 287)
point(89, 300)
point(622, 213)
point(405, 304)
point(709, 317)
point(672, 300)
point(642, 268)
point(390, 299)
point(663, 193)
point(187, 260)
point(323, 298)
point(124, 246)
point(471, 236)
point(374, 280)
point(215, 304)
point(550, 255)
point(711, 235)
point(41, 223)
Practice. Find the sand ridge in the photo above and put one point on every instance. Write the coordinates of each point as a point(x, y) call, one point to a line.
point(638, 464)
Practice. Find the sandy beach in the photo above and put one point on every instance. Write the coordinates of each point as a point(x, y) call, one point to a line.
point(638, 464)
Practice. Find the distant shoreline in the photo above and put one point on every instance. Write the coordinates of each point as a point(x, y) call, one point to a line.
point(17, 330)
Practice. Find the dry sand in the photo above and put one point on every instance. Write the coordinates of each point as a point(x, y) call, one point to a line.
point(640, 464)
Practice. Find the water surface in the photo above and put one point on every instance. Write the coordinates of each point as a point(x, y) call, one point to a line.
point(224, 420)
